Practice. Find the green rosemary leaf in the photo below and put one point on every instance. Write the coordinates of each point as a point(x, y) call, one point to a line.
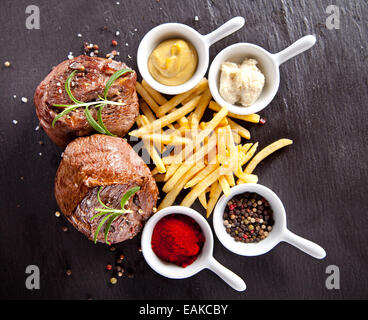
point(109, 210)
point(67, 88)
point(99, 199)
point(112, 79)
point(63, 113)
point(100, 122)
point(127, 195)
point(108, 225)
point(102, 222)
point(97, 215)
point(92, 122)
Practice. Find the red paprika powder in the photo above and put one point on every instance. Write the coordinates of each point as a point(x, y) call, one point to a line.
point(178, 239)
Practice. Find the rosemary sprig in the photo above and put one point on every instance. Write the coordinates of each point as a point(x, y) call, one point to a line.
point(98, 125)
point(109, 214)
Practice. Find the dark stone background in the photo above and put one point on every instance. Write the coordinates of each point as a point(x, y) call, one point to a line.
point(321, 105)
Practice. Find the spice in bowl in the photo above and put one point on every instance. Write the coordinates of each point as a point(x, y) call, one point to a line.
point(177, 239)
point(248, 218)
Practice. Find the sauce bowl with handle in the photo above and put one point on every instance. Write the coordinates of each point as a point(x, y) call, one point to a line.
point(200, 42)
point(205, 260)
point(279, 232)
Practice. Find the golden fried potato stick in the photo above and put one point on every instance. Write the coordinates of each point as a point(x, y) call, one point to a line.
point(159, 177)
point(146, 97)
point(201, 175)
point(176, 100)
point(265, 153)
point(215, 193)
point(165, 120)
point(203, 200)
point(247, 178)
point(147, 111)
point(171, 196)
point(239, 129)
point(155, 156)
point(254, 118)
point(194, 158)
point(224, 185)
point(203, 103)
point(166, 139)
point(157, 96)
point(201, 187)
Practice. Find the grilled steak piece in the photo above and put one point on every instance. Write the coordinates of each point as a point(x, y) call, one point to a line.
point(86, 87)
point(99, 160)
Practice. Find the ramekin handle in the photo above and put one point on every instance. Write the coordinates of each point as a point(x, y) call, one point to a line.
point(226, 29)
point(296, 48)
point(225, 274)
point(304, 245)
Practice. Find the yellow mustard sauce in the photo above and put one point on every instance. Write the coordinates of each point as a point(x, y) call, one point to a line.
point(173, 62)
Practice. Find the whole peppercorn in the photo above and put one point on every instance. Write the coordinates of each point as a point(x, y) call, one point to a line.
point(113, 280)
point(109, 267)
point(7, 64)
point(68, 272)
point(65, 229)
point(114, 43)
point(262, 121)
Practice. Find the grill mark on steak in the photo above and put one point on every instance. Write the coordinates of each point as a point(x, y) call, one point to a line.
point(100, 160)
point(118, 119)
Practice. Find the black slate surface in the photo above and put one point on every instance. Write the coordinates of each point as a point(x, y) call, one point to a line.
point(321, 105)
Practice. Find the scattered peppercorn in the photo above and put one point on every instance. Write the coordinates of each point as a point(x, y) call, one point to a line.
point(109, 267)
point(262, 121)
point(247, 217)
point(7, 64)
point(112, 249)
point(57, 214)
point(65, 228)
point(120, 274)
point(68, 272)
point(121, 257)
point(114, 43)
point(113, 280)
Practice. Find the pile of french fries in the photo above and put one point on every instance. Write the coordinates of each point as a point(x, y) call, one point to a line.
point(205, 157)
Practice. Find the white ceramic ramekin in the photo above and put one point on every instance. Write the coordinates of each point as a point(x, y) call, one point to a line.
point(279, 231)
point(267, 62)
point(201, 43)
point(204, 260)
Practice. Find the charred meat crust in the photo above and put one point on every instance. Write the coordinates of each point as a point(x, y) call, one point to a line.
point(100, 160)
point(86, 87)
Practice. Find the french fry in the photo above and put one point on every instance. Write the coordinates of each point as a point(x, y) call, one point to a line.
point(254, 118)
point(201, 187)
point(239, 129)
point(224, 185)
point(169, 199)
point(165, 120)
point(195, 158)
point(215, 193)
point(171, 170)
point(230, 180)
point(200, 90)
point(175, 101)
point(247, 178)
point(147, 111)
point(157, 96)
point(210, 126)
point(159, 177)
point(202, 105)
point(201, 175)
point(249, 154)
point(265, 153)
point(146, 97)
point(232, 148)
point(155, 156)
point(203, 200)
point(166, 139)
point(154, 171)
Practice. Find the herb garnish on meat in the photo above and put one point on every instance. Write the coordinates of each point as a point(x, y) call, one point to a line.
point(110, 214)
point(98, 125)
